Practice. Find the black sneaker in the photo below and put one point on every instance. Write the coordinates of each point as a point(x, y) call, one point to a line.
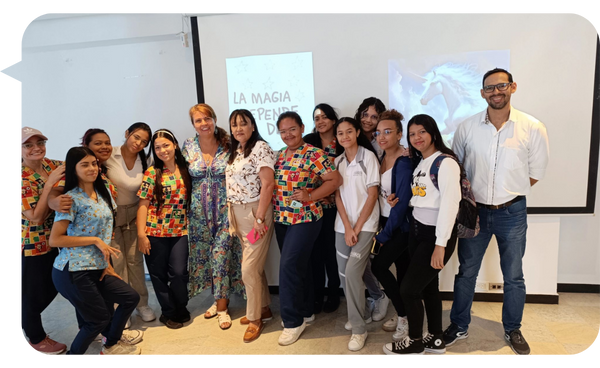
point(332, 304)
point(170, 323)
point(434, 343)
point(517, 342)
point(454, 333)
point(406, 346)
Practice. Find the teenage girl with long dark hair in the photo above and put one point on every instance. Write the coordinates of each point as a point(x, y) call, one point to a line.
point(432, 236)
point(162, 226)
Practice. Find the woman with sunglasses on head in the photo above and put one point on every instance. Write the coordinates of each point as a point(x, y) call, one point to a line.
point(250, 184)
point(125, 168)
point(38, 175)
point(392, 241)
point(82, 271)
point(162, 226)
point(215, 256)
point(323, 256)
point(432, 236)
point(356, 222)
point(298, 213)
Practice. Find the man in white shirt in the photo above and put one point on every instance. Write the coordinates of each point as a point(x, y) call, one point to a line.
point(504, 152)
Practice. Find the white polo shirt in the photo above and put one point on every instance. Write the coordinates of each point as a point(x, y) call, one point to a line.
point(499, 163)
point(359, 175)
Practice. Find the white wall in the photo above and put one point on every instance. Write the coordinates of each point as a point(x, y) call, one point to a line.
point(114, 49)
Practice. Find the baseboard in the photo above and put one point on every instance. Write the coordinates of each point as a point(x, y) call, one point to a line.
point(578, 288)
point(498, 297)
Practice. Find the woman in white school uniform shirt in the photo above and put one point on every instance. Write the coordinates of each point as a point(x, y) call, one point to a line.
point(432, 236)
point(125, 168)
point(357, 220)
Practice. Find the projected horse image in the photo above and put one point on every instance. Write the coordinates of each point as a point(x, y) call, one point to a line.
point(459, 85)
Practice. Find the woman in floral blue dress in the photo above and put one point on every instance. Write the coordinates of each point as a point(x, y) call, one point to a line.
point(215, 256)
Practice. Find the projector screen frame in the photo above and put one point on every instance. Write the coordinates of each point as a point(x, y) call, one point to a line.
point(593, 161)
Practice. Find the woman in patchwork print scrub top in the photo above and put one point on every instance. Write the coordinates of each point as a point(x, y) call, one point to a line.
point(38, 175)
point(162, 226)
point(297, 213)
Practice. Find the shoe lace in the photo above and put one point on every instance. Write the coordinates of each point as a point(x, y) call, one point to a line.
point(49, 341)
point(403, 344)
point(428, 337)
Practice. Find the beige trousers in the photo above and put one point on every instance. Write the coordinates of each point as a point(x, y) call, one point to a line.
point(130, 264)
point(241, 221)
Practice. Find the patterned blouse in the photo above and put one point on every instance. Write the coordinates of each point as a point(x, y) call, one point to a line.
point(172, 219)
point(35, 236)
point(243, 181)
point(330, 151)
point(87, 217)
point(300, 171)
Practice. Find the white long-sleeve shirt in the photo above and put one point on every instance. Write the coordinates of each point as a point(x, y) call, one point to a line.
point(499, 163)
point(435, 207)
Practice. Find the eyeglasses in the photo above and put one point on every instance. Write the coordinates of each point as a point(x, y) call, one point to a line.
point(385, 132)
point(499, 87)
point(29, 146)
point(139, 139)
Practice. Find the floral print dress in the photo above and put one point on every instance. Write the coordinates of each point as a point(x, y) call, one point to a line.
point(215, 259)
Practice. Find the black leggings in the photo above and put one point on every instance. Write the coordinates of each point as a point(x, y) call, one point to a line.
point(421, 280)
point(393, 251)
point(323, 259)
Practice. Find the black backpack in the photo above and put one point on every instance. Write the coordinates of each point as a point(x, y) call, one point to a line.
point(467, 219)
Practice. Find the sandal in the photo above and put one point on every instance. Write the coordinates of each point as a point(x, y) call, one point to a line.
point(224, 318)
point(211, 312)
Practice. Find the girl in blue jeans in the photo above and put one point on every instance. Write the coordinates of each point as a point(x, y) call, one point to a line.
point(82, 272)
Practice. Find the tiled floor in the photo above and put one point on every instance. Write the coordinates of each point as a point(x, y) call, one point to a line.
point(567, 328)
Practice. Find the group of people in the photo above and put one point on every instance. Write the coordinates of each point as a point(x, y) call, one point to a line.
point(346, 201)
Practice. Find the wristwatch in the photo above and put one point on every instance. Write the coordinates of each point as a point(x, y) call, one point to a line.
point(260, 221)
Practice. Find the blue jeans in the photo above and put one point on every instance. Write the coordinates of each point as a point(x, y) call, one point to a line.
point(509, 225)
point(94, 303)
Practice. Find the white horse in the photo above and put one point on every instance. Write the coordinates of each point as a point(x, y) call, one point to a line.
point(459, 84)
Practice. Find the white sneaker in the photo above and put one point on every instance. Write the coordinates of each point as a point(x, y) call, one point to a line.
point(146, 313)
point(291, 335)
point(381, 306)
point(391, 324)
point(348, 325)
point(128, 324)
point(129, 337)
point(357, 341)
point(132, 337)
point(307, 320)
point(121, 348)
point(401, 329)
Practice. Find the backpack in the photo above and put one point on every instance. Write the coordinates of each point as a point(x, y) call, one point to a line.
point(467, 219)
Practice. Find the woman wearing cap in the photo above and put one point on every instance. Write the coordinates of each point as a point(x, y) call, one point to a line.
point(37, 257)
